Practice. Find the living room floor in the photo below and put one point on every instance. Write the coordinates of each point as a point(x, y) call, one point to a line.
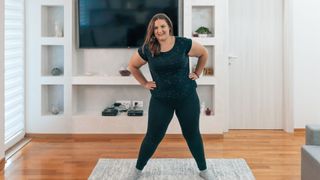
point(271, 154)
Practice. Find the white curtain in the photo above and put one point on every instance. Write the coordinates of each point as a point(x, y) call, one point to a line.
point(14, 72)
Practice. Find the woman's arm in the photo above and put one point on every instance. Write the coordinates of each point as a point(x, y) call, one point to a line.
point(134, 66)
point(197, 50)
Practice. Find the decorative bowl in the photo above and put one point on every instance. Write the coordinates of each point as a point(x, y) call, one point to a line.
point(124, 72)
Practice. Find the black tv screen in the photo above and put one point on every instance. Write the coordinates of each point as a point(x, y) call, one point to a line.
point(120, 23)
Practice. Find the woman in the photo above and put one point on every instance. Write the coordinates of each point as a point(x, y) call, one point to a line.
point(173, 89)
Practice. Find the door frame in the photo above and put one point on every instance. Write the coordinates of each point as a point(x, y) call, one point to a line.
point(288, 120)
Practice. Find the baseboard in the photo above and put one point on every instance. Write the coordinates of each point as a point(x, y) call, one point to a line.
point(2, 163)
point(105, 137)
point(299, 130)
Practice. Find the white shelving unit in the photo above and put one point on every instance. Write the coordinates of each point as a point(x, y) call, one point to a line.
point(82, 98)
point(213, 15)
point(45, 52)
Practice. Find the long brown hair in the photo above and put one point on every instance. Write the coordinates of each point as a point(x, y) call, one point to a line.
point(150, 38)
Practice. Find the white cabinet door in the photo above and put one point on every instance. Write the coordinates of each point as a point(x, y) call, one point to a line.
point(256, 64)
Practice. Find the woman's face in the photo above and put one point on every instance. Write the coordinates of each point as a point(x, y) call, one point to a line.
point(161, 29)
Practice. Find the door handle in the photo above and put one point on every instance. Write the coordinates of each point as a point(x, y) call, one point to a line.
point(231, 59)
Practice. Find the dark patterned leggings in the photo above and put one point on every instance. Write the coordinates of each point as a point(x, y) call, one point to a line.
point(160, 114)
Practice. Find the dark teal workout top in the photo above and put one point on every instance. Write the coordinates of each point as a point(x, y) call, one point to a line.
point(170, 70)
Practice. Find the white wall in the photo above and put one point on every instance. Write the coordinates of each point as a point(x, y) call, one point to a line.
point(306, 62)
point(1, 79)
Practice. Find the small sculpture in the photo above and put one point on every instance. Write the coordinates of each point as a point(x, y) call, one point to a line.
point(55, 109)
point(56, 71)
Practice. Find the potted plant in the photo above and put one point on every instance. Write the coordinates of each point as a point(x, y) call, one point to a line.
point(203, 31)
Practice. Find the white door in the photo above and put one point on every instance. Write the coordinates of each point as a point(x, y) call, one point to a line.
point(256, 68)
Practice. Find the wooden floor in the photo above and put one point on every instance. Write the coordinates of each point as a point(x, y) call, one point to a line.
point(271, 154)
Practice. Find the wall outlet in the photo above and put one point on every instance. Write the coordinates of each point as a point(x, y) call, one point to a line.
point(138, 104)
point(126, 103)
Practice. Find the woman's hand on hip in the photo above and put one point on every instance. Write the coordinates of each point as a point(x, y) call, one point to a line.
point(193, 76)
point(150, 85)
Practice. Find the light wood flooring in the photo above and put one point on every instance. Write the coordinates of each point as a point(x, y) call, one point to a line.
point(271, 154)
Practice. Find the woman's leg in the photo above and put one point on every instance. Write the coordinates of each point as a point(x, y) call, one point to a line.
point(188, 112)
point(159, 117)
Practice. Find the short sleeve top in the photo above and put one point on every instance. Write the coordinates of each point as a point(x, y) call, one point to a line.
point(170, 70)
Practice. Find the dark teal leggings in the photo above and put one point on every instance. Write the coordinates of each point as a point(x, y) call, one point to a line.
point(160, 114)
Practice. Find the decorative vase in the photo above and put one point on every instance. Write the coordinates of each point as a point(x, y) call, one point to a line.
point(57, 29)
point(54, 109)
point(208, 112)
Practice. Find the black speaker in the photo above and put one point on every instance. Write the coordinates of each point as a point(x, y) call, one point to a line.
point(110, 111)
point(135, 112)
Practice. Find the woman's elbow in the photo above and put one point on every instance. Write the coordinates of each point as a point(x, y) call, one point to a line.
point(204, 53)
point(132, 67)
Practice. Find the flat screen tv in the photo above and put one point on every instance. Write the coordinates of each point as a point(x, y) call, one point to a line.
point(120, 23)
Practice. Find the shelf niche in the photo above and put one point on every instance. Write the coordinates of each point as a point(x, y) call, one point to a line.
point(52, 56)
point(210, 63)
point(52, 95)
point(87, 103)
point(50, 15)
point(206, 96)
point(92, 99)
point(203, 16)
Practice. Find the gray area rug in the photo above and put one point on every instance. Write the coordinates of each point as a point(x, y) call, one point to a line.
point(171, 169)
